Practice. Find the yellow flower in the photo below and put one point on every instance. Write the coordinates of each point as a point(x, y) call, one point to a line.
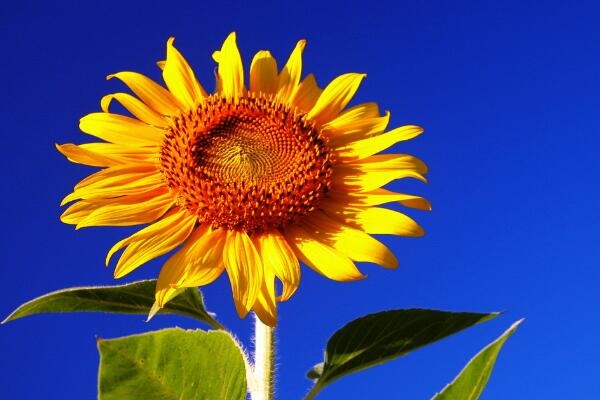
point(249, 179)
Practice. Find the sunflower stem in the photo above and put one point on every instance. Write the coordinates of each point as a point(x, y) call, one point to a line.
point(264, 357)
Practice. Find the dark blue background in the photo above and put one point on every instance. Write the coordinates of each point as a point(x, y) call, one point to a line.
point(508, 94)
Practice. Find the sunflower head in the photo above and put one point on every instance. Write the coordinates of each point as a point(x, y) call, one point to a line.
point(266, 163)
point(250, 179)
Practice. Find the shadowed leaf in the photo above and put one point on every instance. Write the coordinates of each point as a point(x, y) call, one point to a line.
point(471, 381)
point(171, 364)
point(376, 338)
point(133, 298)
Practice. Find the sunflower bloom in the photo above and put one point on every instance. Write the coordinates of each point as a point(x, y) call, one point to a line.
point(251, 179)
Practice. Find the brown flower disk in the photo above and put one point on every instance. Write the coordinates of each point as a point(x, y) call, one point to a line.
point(247, 164)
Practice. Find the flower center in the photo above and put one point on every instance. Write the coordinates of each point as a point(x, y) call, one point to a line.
point(247, 164)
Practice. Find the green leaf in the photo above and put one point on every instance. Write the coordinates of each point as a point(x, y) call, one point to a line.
point(376, 338)
point(471, 381)
point(133, 298)
point(172, 364)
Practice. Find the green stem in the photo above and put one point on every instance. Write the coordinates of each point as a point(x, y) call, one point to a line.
point(264, 357)
point(313, 392)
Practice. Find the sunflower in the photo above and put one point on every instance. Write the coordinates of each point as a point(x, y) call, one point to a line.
point(250, 179)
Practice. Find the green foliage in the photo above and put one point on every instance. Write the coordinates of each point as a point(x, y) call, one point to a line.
point(134, 298)
point(172, 364)
point(179, 364)
point(376, 338)
point(471, 381)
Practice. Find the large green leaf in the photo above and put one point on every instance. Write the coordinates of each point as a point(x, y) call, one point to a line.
point(172, 364)
point(134, 298)
point(376, 338)
point(471, 381)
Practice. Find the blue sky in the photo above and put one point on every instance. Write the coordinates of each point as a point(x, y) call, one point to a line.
point(508, 95)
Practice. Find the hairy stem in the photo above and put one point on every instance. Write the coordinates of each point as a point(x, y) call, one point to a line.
point(264, 356)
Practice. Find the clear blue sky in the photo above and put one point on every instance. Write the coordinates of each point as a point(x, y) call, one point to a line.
point(508, 95)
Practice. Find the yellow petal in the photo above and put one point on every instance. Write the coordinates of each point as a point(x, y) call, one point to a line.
point(161, 64)
point(354, 124)
point(390, 161)
point(354, 243)
point(376, 171)
point(379, 196)
point(79, 211)
point(155, 96)
point(125, 211)
point(263, 73)
point(140, 110)
point(367, 147)
point(119, 129)
point(320, 257)
point(265, 306)
point(116, 188)
point(335, 97)
point(180, 78)
point(80, 155)
point(205, 259)
point(352, 180)
point(231, 70)
point(134, 171)
point(353, 115)
point(218, 82)
point(198, 263)
point(290, 75)
point(278, 257)
point(307, 94)
point(376, 220)
point(117, 185)
point(125, 154)
point(152, 242)
point(148, 232)
point(244, 268)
